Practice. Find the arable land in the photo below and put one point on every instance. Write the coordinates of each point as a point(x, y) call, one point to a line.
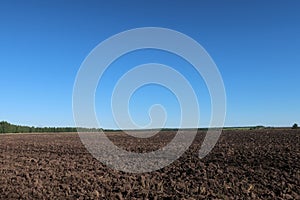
point(244, 164)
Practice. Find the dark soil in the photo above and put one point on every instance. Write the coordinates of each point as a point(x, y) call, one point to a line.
point(256, 164)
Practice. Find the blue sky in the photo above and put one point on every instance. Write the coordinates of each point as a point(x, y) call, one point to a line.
point(255, 45)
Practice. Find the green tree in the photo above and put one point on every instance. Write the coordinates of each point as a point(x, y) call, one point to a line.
point(295, 126)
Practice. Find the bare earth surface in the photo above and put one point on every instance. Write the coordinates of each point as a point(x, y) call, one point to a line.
point(258, 164)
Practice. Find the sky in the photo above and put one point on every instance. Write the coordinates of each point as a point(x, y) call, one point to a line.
point(255, 45)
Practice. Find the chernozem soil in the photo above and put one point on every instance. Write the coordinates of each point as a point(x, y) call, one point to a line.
point(244, 164)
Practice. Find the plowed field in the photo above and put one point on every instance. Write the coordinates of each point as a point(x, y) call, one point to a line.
point(256, 164)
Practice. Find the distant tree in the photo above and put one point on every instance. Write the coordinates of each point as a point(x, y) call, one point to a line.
point(295, 126)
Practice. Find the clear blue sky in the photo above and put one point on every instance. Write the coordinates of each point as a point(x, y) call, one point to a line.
point(255, 44)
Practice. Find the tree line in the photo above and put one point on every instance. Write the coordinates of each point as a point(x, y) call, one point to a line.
point(6, 127)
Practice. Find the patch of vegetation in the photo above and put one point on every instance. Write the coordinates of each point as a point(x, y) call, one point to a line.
point(257, 128)
point(6, 127)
